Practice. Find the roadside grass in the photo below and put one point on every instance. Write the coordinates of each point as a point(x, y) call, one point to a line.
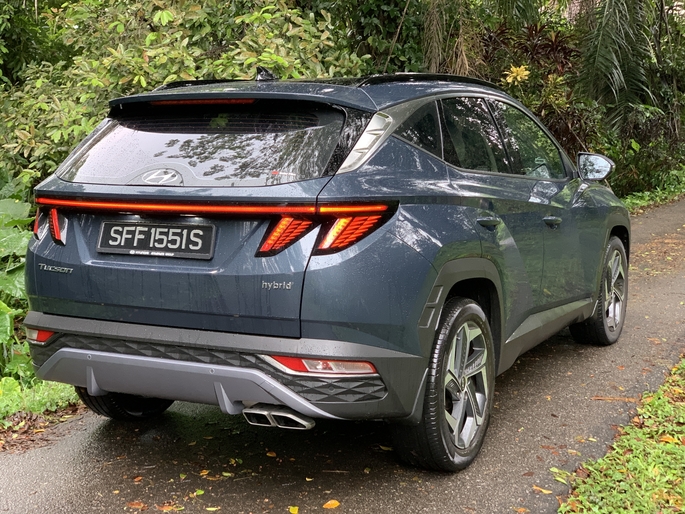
point(674, 190)
point(41, 397)
point(644, 472)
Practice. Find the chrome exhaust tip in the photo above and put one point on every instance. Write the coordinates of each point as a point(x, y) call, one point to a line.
point(264, 415)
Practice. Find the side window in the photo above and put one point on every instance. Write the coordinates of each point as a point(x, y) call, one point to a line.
point(421, 129)
point(532, 152)
point(471, 139)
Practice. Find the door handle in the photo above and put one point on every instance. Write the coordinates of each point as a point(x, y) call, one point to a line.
point(489, 222)
point(552, 221)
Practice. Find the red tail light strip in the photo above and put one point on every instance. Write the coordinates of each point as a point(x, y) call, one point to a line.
point(177, 208)
point(353, 223)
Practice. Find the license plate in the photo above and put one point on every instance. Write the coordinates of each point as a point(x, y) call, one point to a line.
point(157, 240)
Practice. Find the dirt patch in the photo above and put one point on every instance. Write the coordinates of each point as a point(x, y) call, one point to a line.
point(664, 254)
point(28, 431)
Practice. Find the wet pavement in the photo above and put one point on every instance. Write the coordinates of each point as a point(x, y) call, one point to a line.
point(556, 407)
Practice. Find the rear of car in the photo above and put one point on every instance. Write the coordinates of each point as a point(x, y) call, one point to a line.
point(378, 248)
point(171, 253)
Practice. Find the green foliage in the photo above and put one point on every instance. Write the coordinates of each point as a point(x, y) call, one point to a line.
point(26, 37)
point(644, 470)
point(119, 48)
point(43, 396)
point(390, 32)
point(673, 188)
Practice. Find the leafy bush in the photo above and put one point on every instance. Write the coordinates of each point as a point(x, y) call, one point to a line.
point(43, 396)
point(120, 48)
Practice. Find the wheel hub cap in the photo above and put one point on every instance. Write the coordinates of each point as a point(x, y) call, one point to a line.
point(466, 384)
point(614, 291)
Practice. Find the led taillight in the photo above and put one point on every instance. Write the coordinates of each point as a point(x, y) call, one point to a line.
point(342, 224)
point(327, 366)
point(282, 234)
point(57, 226)
point(347, 231)
point(37, 336)
point(36, 223)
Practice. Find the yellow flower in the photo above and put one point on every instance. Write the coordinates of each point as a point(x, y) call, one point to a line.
point(517, 75)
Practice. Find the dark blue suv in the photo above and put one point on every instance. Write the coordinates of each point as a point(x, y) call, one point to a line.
point(376, 248)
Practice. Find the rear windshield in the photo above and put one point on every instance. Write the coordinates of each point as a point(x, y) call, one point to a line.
point(263, 143)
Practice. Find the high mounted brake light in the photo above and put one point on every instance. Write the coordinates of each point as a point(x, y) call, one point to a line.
point(342, 224)
point(205, 101)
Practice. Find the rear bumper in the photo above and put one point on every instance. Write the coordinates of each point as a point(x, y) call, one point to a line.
point(222, 368)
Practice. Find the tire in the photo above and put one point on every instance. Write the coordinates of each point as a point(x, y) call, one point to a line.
point(605, 326)
point(459, 393)
point(124, 407)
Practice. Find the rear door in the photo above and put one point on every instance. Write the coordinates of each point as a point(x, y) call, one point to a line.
point(507, 221)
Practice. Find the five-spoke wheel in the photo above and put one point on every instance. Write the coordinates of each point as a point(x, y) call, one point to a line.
point(459, 393)
point(605, 325)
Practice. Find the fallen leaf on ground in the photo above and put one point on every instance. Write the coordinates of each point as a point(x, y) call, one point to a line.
point(614, 399)
point(386, 448)
point(541, 490)
point(137, 479)
point(137, 505)
point(668, 439)
point(331, 504)
point(293, 510)
point(270, 454)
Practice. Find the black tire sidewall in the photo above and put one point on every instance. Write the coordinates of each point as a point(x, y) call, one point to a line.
point(443, 448)
point(609, 336)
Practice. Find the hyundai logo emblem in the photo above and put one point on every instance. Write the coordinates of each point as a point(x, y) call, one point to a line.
point(163, 177)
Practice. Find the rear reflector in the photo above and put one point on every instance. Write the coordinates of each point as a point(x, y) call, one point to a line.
point(36, 336)
point(300, 365)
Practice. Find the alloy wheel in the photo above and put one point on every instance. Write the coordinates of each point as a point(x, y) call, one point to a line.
point(466, 384)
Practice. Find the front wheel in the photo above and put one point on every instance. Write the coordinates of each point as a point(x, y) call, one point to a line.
point(606, 324)
point(459, 393)
point(124, 407)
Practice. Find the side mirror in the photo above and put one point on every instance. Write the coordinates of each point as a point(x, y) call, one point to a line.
point(592, 166)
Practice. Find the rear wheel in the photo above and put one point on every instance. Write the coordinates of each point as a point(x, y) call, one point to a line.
point(125, 407)
point(459, 393)
point(605, 325)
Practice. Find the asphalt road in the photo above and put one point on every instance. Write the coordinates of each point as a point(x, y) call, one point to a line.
point(546, 415)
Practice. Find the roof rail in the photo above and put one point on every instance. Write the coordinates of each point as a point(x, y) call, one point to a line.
point(422, 77)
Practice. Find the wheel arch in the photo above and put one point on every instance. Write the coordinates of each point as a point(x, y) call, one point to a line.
point(473, 278)
point(623, 234)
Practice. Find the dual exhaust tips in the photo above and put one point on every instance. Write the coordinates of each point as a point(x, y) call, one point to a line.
point(263, 415)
